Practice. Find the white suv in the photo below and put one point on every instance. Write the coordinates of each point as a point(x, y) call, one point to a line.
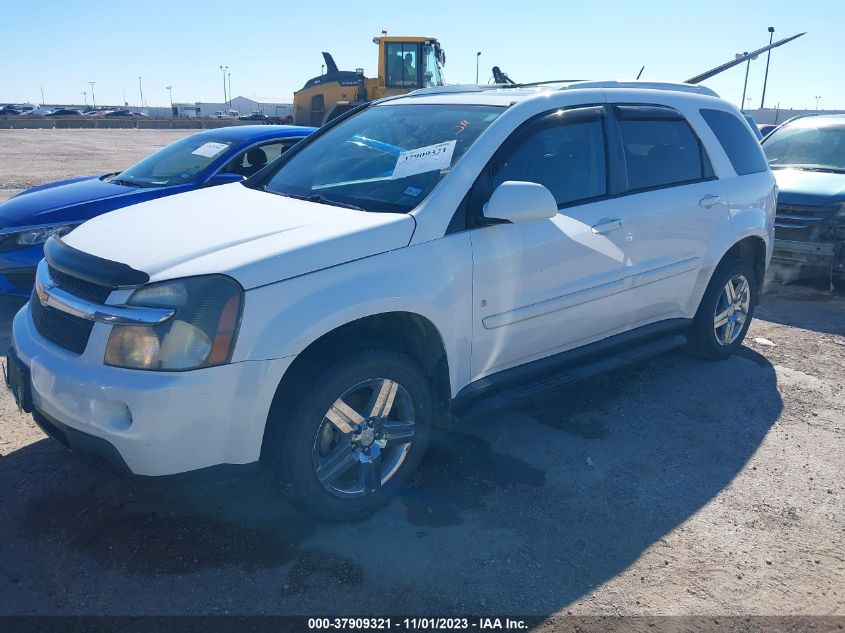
point(405, 260)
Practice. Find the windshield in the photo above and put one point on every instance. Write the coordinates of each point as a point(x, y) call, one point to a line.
point(432, 75)
point(176, 164)
point(387, 158)
point(807, 145)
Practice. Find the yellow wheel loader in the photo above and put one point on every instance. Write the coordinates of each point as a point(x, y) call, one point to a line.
point(404, 64)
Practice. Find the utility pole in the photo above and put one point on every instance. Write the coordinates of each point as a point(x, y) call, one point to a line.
point(85, 96)
point(93, 98)
point(42, 94)
point(230, 89)
point(768, 58)
point(141, 90)
point(170, 90)
point(224, 69)
point(745, 85)
point(477, 58)
point(817, 103)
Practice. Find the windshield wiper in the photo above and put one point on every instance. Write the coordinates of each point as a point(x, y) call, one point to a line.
point(127, 183)
point(321, 199)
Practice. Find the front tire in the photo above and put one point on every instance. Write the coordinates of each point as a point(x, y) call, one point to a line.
point(356, 433)
point(726, 310)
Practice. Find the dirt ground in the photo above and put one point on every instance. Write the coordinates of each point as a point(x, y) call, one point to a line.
point(34, 157)
point(680, 488)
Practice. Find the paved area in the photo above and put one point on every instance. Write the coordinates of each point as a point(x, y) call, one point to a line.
point(681, 487)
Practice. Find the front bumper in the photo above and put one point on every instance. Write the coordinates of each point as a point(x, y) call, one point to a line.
point(821, 256)
point(157, 423)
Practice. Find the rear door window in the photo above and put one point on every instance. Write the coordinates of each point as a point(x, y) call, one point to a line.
point(742, 148)
point(662, 151)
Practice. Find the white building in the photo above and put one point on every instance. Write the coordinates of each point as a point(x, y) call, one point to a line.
point(243, 105)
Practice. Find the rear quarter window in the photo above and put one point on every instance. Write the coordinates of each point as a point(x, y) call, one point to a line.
point(742, 148)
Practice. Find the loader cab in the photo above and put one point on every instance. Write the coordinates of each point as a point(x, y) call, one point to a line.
point(407, 63)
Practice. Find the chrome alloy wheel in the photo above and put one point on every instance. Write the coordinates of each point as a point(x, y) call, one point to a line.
point(732, 310)
point(364, 438)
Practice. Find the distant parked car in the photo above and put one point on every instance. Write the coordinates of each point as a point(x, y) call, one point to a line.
point(807, 157)
point(208, 158)
point(116, 113)
point(220, 114)
point(64, 112)
point(254, 116)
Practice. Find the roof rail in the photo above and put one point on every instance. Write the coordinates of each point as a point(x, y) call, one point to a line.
point(565, 84)
point(642, 85)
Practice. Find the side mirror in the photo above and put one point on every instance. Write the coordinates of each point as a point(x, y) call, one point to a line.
point(224, 178)
point(517, 201)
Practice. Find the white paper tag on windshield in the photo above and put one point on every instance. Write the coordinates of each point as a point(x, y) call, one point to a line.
point(423, 159)
point(209, 150)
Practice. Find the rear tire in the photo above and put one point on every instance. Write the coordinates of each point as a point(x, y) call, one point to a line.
point(357, 431)
point(725, 311)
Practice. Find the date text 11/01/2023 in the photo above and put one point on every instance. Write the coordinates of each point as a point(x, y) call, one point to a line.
point(420, 623)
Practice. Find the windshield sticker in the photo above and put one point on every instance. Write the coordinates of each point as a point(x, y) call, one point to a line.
point(424, 159)
point(210, 150)
point(412, 191)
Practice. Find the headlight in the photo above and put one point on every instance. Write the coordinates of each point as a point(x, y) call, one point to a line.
point(33, 235)
point(201, 333)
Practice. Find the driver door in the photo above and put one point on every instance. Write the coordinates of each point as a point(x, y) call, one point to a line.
point(544, 286)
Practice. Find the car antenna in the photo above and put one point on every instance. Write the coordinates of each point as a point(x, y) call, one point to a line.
point(640, 74)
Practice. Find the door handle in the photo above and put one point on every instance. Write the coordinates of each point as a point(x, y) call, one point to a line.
point(709, 201)
point(606, 226)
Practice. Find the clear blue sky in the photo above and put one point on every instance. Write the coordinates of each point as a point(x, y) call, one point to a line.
point(271, 48)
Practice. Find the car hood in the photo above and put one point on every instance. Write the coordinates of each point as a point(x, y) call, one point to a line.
point(256, 237)
point(797, 186)
point(60, 201)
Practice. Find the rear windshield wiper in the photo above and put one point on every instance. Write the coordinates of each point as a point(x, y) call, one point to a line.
point(321, 199)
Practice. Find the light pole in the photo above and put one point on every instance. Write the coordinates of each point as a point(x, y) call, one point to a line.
point(224, 69)
point(745, 85)
point(768, 57)
point(85, 96)
point(42, 94)
point(93, 98)
point(230, 89)
point(322, 69)
point(747, 103)
point(817, 102)
point(170, 91)
point(477, 58)
point(141, 90)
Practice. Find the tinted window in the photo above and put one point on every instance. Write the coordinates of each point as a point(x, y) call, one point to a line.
point(569, 160)
point(742, 148)
point(661, 152)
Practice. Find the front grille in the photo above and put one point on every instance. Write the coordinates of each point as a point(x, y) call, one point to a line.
point(79, 287)
point(20, 277)
point(66, 330)
point(799, 222)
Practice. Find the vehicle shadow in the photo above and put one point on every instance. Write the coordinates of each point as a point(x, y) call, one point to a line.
point(809, 304)
point(522, 511)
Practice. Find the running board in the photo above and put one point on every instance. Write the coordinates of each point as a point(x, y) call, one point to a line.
point(566, 376)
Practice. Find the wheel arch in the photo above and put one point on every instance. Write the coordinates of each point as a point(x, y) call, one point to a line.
point(411, 333)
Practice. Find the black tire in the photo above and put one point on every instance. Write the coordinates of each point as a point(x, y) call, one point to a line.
point(292, 437)
point(703, 341)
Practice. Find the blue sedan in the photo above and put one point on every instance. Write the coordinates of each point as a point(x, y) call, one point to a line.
point(208, 158)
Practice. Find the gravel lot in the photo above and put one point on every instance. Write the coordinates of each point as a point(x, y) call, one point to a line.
point(682, 487)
